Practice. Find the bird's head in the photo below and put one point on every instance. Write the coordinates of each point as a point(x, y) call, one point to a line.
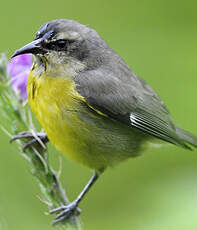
point(66, 44)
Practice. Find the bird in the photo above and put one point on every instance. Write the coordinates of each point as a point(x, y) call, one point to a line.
point(92, 106)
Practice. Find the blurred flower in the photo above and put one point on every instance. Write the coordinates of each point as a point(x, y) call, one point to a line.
point(18, 69)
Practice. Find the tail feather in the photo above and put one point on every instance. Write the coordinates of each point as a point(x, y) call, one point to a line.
point(187, 137)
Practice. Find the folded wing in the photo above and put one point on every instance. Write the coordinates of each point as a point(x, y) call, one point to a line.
point(125, 97)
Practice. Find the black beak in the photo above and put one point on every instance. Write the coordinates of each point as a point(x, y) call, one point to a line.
point(33, 48)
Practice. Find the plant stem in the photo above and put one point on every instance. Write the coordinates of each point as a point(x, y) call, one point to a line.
point(18, 116)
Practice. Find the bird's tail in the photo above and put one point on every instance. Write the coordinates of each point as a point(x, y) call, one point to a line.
point(187, 137)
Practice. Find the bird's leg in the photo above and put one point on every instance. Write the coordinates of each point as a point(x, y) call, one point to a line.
point(67, 211)
point(35, 138)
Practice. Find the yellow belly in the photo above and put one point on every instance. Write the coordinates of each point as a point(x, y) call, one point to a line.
point(88, 138)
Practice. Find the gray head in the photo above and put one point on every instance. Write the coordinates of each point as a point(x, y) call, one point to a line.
point(67, 42)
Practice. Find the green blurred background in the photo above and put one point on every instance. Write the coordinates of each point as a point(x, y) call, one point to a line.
point(157, 191)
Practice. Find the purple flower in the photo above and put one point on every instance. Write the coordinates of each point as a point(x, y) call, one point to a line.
point(18, 69)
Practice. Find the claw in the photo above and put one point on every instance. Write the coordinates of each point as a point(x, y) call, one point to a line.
point(61, 208)
point(21, 136)
point(30, 143)
point(55, 221)
point(65, 212)
point(40, 138)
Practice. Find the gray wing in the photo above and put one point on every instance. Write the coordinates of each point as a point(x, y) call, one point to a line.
point(125, 97)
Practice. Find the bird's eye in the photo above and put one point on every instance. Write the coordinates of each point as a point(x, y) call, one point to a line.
point(61, 43)
point(58, 45)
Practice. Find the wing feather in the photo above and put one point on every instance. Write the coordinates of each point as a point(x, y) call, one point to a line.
point(123, 96)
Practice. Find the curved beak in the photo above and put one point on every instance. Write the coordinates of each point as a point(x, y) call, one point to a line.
point(33, 47)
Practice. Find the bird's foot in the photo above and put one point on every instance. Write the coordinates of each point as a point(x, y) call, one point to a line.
point(35, 138)
point(65, 212)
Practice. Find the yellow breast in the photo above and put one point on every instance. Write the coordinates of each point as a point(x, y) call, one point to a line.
point(56, 103)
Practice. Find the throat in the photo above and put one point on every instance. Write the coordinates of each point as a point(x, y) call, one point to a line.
point(57, 66)
point(44, 91)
